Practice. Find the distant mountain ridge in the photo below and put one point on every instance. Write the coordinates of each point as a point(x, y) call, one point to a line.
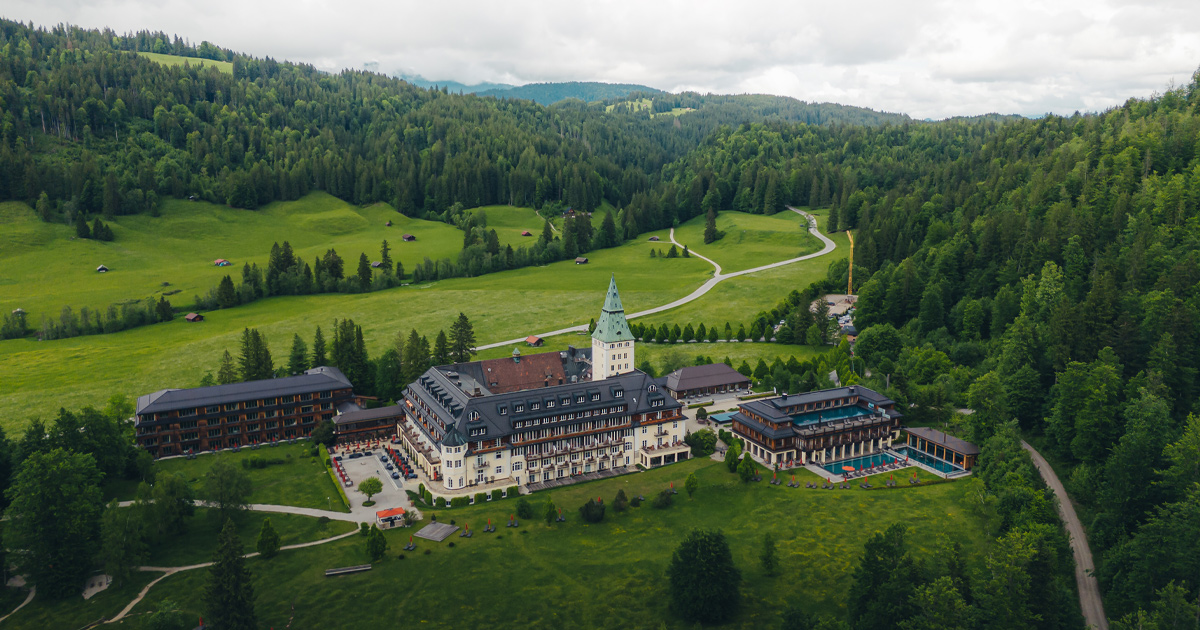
point(453, 86)
point(586, 91)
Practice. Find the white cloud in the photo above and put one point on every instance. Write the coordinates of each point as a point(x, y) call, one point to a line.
point(928, 58)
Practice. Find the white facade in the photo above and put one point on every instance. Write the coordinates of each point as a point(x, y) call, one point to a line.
point(611, 359)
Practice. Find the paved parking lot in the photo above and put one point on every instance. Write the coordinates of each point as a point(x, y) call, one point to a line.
point(369, 466)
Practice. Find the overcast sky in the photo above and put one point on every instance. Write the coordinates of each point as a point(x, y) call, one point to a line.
point(927, 58)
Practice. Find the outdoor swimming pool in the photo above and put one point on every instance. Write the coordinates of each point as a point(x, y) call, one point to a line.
point(941, 466)
point(866, 461)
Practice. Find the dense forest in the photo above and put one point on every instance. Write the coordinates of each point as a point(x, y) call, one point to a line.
point(550, 93)
point(1041, 273)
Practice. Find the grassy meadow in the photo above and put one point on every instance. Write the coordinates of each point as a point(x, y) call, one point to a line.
point(300, 480)
point(176, 60)
point(612, 573)
point(43, 267)
point(751, 240)
point(179, 248)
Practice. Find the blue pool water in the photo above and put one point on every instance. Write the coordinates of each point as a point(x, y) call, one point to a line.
point(825, 415)
point(865, 461)
point(941, 466)
point(877, 459)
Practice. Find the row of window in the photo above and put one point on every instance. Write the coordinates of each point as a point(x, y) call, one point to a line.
point(587, 413)
point(248, 404)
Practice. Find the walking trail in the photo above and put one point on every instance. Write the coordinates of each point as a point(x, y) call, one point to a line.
point(717, 278)
point(1089, 588)
point(169, 571)
point(363, 515)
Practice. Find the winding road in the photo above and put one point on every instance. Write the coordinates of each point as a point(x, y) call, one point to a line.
point(1089, 589)
point(717, 278)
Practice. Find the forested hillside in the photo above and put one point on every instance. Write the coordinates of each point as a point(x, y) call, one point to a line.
point(550, 93)
point(1040, 272)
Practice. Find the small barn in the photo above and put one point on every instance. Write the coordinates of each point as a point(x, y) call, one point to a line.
point(376, 265)
point(101, 269)
point(534, 341)
point(654, 238)
point(221, 262)
point(408, 238)
point(526, 233)
point(581, 261)
point(193, 317)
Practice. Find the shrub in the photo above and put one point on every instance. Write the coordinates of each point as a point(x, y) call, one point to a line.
point(621, 503)
point(663, 500)
point(497, 494)
point(460, 502)
point(635, 502)
point(257, 462)
point(421, 491)
point(451, 544)
point(731, 457)
point(524, 508)
point(592, 511)
point(703, 442)
point(513, 491)
point(363, 529)
point(480, 498)
point(441, 502)
point(746, 470)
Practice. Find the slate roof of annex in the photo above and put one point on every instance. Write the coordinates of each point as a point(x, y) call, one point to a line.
point(315, 380)
point(700, 376)
point(497, 412)
point(949, 441)
point(358, 415)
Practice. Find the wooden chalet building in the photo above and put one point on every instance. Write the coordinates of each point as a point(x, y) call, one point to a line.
point(705, 380)
point(177, 421)
point(817, 427)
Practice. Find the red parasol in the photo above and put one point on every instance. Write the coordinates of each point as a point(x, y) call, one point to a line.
point(848, 468)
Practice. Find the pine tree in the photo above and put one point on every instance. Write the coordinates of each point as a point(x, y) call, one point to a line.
point(607, 237)
point(364, 273)
point(686, 253)
point(462, 339)
point(227, 373)
point(298, 360)
point(385, 257)
point(81, 226)
point(226, 294)
point(163, 310)
point(547, 233)
point(441, 349)
point(770, 563)
point(673, 252)
point(832, 224)
point(229, 595)
point(318, 349)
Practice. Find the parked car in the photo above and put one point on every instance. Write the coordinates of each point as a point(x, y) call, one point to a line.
point(395, 475)
point(388, 466)
point(337, 457)
point(383, 458)
point(355, 455)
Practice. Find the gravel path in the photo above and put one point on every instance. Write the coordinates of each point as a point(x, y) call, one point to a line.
point(169, 571)
point(1089, 589)
point(717, 278)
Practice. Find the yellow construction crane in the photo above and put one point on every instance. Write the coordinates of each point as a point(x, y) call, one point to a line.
point(850, 282)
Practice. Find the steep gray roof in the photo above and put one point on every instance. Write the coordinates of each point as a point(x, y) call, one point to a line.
point(612, 326)
point(318, 379)
point(496, 413)
point(699, 376)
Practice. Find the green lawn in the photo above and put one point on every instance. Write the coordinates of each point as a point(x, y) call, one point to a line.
point(10, 598)
point(76, 612)
point(88, 370)
point(176, 60)
point(751, 240)
point(199, 541)
point(612, 574)
point(510, 221)
point(301, 482)
point(43, 267)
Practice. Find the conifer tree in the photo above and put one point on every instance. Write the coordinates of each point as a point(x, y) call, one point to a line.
point(226, 294)
point(227, 372)
point(298, 360)
point(364, 273)
point(385, 257)
point(318, 349)
point(229, 594)
point(441, 349)
point(462, 339)
point(81, 226)
point(547, 233)
point(711, 234)
point(607, 237)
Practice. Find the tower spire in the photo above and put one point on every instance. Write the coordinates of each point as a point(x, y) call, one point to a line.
point(612, 326)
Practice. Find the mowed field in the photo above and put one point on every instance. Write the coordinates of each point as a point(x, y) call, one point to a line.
point(751, 240)
point(43, 267)
point(607, 575)
point(176, 60)
point(40, 377)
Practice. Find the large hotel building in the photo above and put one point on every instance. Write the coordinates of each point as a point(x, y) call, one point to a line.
point(544, 417)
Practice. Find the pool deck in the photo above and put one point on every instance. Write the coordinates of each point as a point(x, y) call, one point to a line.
point(911, 463)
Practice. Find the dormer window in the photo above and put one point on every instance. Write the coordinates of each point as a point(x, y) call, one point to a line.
point(652, 388)
point(518, 408)
point(579, 398)
point(549, 404)
point(534, 406)
point(503, 410)
point(595, 397)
